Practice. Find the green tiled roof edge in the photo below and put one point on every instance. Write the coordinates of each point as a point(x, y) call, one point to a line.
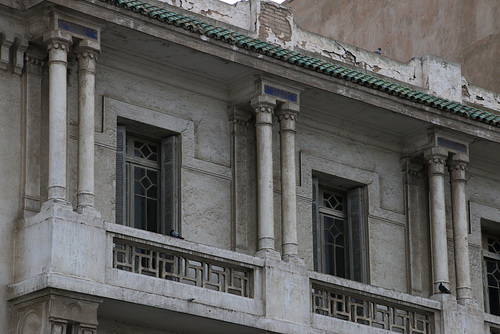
point(295, 58)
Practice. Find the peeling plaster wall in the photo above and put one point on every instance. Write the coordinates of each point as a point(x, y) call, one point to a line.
point(462, 31)
point(239, 15)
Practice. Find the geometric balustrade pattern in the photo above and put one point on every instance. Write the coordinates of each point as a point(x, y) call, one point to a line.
point(370, 313)
point(146, 260)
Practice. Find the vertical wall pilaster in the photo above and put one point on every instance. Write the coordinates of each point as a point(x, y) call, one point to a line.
point(458, 170)
point(58, 43)
point(287, 116)
point(32, 100)
point(240, 179)
point(86, 53)
point(417, 229)
point(436, 158)
point(264, 108)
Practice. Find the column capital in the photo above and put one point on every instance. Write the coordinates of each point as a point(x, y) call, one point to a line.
point(457, 165)
point(459, 160)
point(414, 171)
point(33, 61)
point(58, 39)
point(436, 159)
point(263, 103)
point(288, 111)
point(238, 116)
point(86, 52)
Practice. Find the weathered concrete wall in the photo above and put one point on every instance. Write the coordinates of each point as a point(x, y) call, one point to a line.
point(12, 47)
point(241, 14)
point(10, 165)
point(204, 127)
point(464, 31)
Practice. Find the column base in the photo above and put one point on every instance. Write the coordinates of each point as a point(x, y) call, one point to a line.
point(57, 193)
point(443, 297)
point(295, 259)
point(464, 296)
point(268, 253)
point(85, 199)
point(89, 211)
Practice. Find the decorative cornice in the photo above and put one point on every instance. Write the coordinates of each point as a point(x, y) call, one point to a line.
point(295, 58)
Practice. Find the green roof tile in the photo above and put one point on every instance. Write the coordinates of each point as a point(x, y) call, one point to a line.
point(293, 57)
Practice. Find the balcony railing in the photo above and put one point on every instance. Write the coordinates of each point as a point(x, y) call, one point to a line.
point(179, 267)
point(369, 309)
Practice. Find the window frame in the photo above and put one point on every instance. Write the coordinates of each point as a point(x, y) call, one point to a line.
point(356, 228)
point(493, 257)
point(167, 165)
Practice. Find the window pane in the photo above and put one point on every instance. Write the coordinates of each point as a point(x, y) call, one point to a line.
point(152, 215)
point(139, 212)
point(145, 150)
point(340, 262)
point(139, 174)
point(494, 301)
point(339, 226)
point(329, 259)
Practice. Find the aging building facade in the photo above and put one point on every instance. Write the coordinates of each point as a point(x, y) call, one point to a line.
point(313, 193)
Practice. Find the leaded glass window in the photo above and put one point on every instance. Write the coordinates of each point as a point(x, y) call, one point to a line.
point(142, 180)
point(147, 182)
point(339, 232)
point(334, 234)
point(492, 272)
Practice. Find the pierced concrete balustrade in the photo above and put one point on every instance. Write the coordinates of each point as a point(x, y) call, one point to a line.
point(357, 303)
point(181, 267)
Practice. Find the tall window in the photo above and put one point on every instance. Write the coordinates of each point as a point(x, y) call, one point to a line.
point(339, 232)
point(491, 251)
point(146, 182)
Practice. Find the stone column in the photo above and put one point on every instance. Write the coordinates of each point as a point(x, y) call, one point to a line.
point(86, 53)
point(264, 107)
point(32, 132)
point(458, 166)
point(58, 43)
point(436, 158)
point(287, 116)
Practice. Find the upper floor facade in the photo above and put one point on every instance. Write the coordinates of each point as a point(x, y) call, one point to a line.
point(313, 193)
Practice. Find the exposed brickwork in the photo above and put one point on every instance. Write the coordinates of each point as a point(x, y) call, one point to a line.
point(274, 17)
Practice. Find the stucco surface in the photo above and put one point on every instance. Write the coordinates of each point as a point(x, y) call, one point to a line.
point(10, 162)
point(464, 31)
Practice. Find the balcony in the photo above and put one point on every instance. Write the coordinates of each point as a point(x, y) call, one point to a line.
point(144, 277)
point(170, 264)
point(371, 306)
point(334, 301)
